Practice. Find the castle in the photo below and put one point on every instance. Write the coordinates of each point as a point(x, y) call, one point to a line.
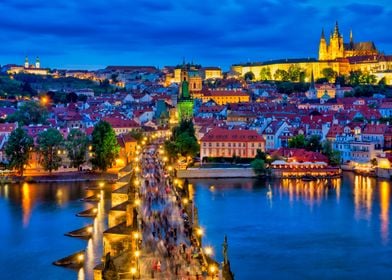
point(341, 57)
point(338, 49)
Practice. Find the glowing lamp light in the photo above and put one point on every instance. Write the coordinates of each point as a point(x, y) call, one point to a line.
point(90, 229)
point(137, 254)
point(136, 235)
point(200, 232)
point(212, 268)
point(208, 251)
point(80, 257)
point(95, 210)
point(133, 270)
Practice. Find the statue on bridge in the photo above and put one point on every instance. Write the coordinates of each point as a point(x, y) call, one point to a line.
point(109, 271)
point(226, 270)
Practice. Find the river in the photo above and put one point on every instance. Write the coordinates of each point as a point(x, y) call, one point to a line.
point(277, 229)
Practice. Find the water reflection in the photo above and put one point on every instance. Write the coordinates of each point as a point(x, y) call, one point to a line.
point(384, 204)
point(36, 216)
point(312, 192)
point(26, 204)
point(363, 196)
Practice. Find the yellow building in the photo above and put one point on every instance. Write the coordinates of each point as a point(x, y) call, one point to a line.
point(211, 73)
point(341, 57)
point(338, 49)
point(223, 96)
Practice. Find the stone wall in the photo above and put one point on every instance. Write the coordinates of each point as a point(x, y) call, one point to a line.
point(216, 173)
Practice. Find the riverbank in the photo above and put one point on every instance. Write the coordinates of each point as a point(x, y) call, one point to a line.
point(77, 176)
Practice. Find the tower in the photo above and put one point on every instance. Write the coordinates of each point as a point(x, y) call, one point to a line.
point(26, 64)
point(37, 63)
point(312, 92)
point(323, 49)
point(185, 103)
point(336, 47)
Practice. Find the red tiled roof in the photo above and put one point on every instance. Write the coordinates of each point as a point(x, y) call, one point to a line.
point(232, 135)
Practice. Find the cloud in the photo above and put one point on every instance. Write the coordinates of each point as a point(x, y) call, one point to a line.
point(100, 32)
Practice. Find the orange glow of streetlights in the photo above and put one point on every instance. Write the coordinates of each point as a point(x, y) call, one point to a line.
point(208, 251)
point(200, 232)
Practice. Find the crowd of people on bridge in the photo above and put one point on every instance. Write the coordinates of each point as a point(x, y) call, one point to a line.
point(167, 231)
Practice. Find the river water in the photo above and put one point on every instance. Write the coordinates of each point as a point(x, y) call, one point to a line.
point(278, 229)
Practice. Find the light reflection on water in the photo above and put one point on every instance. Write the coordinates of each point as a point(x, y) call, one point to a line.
point(35, 218)
point(339, 228)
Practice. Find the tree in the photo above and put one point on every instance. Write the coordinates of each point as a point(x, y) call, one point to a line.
point(104, 146)
point(333, 156)
point(265, 74)
point(249, 76)
point(18, 149)
point(354, 77)
point(49, 144)
point(260, 155)
point(329, 74)
point(294, 73)
point(281, 75)
point(76, 145)
point(258, 166)
point(313, 143)
point(183, 140)
point(71, 97)
point(297, 142)
point(187, 145)
point(29, 113)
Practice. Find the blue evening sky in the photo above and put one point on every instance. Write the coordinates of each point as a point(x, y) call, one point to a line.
point(90, 34)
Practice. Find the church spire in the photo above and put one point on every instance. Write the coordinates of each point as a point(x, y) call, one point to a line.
point(322, 33)
point(336, 30)
point(351, 37)
point(26, 64)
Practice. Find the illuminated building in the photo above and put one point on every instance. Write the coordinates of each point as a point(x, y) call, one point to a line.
point(223, 96)
point(221, 142)
point(185, 102)
point(339, 56)
point(27, 68)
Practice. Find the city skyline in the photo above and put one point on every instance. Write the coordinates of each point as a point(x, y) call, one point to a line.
point(94, 34)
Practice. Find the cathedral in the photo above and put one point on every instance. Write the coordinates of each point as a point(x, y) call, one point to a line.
point(338, 49)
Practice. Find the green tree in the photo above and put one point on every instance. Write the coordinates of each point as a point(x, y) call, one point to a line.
point(49, 143)
point(260, 155)
point(258, 166)
point(187, 145)
point(183, 140)
point(76, 145)
point(354, 77)
point(18, 149)
point(29, 113)
point(294, 73)
point(249, 76)
point(329, 74)
point(265, 74)
point(298, 141)
point(313, 143)
point(281, 75)
point(333, 156)
point(104, 146)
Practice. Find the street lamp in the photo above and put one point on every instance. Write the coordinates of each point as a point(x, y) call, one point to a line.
point(133, 272)
point(208, 251)
point(212, 270)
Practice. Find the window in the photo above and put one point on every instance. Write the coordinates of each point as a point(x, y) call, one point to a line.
point(253, 145)
point(204, 144)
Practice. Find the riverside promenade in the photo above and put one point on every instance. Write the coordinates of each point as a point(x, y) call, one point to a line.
point(157, 235)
